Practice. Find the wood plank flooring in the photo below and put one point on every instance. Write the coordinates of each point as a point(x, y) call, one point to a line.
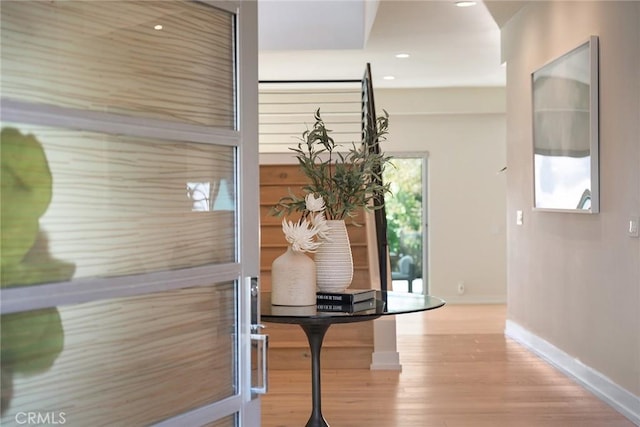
point(458, 371)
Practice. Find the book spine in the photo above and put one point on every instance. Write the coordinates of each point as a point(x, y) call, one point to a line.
point(332, 307)
point(346, 308)
point(342, 299)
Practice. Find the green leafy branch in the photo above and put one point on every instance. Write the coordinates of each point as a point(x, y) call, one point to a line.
point(346, 181)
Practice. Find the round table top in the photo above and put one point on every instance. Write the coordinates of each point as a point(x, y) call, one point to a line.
point(386, 303)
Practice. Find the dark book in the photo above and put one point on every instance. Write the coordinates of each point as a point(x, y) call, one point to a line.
point(368, 304)
point(348, 296)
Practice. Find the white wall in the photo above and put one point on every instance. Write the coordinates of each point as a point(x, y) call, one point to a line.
point(574, 280)
point(463, 130)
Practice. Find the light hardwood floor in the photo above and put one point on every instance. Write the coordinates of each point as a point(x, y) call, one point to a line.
point(458, 371)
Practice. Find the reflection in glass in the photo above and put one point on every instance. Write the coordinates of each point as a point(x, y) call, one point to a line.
point(565, 131)
point(224, 198)
point(116, 205)
point(31, 341)
point(563, 182)
point(26, 195)
point(122, 362)
point(200, 193)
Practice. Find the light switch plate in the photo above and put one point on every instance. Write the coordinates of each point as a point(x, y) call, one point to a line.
point(519, 218)
point(633, 226)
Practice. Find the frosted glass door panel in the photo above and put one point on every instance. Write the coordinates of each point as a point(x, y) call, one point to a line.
point(118, 205)
point(126, 57)
point(121, 362)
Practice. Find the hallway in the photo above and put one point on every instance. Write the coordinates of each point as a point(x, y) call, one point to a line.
point(458, 370)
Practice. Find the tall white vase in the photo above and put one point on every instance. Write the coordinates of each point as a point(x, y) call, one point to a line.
point(334, 263)
point(293, 279)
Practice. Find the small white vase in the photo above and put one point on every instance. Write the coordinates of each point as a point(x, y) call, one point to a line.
point(293, 279)
point(334, 263)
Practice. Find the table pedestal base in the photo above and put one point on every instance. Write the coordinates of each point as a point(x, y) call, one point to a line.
point(315, 326)
point(315, 335)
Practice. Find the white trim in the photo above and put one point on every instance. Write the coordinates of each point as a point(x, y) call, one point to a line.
point(385, 361)
point(246, 69)
point(78, 291)
point(468, 299)
point(606, 390)
point(101, 122)
point(226, 5)
point(426, 232)
point(385, 354)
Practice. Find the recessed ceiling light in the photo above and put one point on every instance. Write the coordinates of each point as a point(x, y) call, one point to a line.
point(465, 3)
point(158, 27)
point(402, 55)
point(388, 77)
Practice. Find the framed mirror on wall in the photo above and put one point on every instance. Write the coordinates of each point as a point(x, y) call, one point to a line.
point(565, 131)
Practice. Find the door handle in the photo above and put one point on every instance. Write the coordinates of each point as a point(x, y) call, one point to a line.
point(260, 382)
point(259, 344)
point(255, 301)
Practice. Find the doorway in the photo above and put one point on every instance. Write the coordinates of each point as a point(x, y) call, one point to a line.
point(407, 226)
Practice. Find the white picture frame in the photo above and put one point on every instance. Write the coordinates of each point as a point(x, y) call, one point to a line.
point(566, 132)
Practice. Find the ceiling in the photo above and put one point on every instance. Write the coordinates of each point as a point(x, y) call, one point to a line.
point(449, 46)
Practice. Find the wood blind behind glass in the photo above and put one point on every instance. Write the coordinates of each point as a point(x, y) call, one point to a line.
point(230, 421)
point(124, 362)
point(107, 56)
point(123, 205)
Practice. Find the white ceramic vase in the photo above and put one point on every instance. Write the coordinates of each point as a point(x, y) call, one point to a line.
point(293, 279)
point(334, 263)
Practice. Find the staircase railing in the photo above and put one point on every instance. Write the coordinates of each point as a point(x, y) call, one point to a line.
point(369, 122)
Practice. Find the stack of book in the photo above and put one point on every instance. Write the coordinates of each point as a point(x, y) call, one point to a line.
point(349, 300)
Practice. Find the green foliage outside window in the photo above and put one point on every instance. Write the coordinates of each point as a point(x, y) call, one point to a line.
point(404, 209)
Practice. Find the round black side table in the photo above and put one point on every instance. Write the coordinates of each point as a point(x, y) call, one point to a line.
point(315, 324)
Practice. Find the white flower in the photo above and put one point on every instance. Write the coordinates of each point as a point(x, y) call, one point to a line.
point(300, 236)
point(314, 204)
point(311, 230)
point(320, 224)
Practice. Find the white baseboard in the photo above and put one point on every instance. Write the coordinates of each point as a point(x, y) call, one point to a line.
point(470, 299)
point(617, 397)
point(385, 361)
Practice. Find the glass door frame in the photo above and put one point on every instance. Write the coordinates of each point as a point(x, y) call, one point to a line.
point(245, 141)
point(424, 156)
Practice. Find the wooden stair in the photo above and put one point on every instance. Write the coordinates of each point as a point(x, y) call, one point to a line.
point(346, 346)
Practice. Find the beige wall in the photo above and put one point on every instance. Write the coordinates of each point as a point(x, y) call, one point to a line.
point(463, 131)
point(574, 280)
